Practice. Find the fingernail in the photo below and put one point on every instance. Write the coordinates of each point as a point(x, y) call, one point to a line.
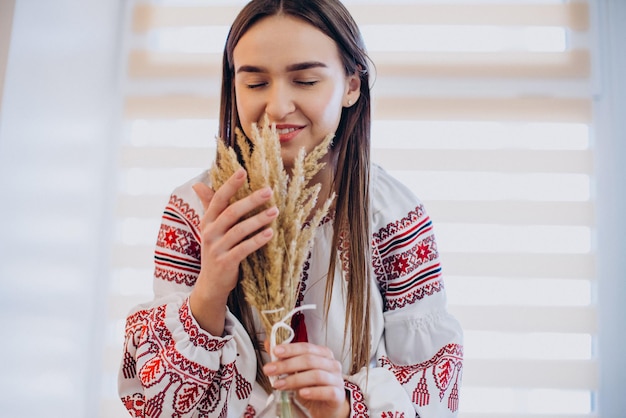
point(279, 384)
point(279, 350)
point(269, 369)
point(241, 173)
point(272, 211)
point(265, 192)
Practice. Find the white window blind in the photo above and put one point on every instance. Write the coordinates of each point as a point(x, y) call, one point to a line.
point(482, 108)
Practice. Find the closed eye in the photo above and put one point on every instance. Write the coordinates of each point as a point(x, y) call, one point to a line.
point(255, 85)
point(307, 83)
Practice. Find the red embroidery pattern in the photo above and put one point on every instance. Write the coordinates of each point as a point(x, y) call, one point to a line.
point(134, 331)
point(412, 257)
point(250, 412)
point(406, 260)
point(446, 366)
point(357, 401)
point(134, 404)
point(403, 224)
point(453, 400)
point(173, 382)
point(196, 336)
point(180, 277)
point(179, 241)
point(303, 280)
point(188, 385)
point(421, 396)
point(390, 414)
point(183, 208)
point(427, 289)
point(168, 348)
point(243, 388)
point(177, 255)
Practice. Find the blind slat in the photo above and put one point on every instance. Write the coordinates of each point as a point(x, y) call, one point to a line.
point(153, 16)
point(557, 266)
point(574, 15)
point(527, 318)
point(502, 212)
point(565, 374)
point(512, 212)
point(508, 161)
point(568, 64)
point(536, 109)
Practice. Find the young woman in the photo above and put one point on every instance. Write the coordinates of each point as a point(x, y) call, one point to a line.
point(381, 343)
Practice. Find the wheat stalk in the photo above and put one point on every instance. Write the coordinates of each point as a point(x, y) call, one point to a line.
point(271, 275)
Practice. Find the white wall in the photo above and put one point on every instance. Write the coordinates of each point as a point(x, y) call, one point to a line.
point(57, 137)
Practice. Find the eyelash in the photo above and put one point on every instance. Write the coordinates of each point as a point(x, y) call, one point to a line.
point(307, 83)
point(301, 83)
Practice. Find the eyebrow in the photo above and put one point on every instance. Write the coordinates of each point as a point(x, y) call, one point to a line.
point(290, 68)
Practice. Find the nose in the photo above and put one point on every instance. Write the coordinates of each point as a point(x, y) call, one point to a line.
point(280, 102)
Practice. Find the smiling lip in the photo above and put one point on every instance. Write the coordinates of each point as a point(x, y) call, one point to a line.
point(287, 132)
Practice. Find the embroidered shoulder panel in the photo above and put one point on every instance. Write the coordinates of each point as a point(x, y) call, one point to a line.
point(177, 254)
point(406, 260)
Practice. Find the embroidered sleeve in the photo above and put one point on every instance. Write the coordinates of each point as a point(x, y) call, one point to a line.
point(422, 345)
point(358, 409)
point(375, 393)
point(171, 367)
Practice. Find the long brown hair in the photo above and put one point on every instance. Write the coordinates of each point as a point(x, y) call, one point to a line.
point(351, 151)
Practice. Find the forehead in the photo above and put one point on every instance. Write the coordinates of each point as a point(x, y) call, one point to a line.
point(284, 40)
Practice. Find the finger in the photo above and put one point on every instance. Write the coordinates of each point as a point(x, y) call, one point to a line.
point(222, 197)
point(303, 363)
point(298, 349)
point(245, 228)
point(335, 394)
point(310, 378)
point(250, 245)
point(204, 193)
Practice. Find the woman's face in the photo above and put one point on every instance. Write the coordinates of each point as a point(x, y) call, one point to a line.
point(292, 71)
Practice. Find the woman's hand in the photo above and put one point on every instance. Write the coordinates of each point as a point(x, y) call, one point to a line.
point(312, 371)
point(226, 240)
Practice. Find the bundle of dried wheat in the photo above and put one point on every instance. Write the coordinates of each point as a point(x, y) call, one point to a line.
point(270, 276)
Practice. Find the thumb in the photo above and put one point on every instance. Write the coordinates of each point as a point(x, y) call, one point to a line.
point(204, 192)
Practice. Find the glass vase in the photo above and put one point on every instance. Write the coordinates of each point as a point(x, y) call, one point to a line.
point(284, 404)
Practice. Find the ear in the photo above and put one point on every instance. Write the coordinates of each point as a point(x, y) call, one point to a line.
point(353, 90)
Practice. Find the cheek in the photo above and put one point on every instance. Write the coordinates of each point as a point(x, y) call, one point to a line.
point(332, 117)
point(330, 109)
point(249, 112)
